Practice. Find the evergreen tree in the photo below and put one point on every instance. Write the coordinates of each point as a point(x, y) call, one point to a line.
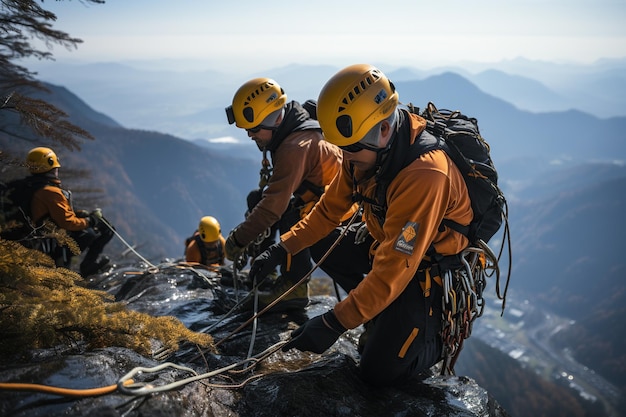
point(22, 22)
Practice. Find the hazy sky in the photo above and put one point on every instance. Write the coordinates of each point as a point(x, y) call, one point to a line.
point(263, 34)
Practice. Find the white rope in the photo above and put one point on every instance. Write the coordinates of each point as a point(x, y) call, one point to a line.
point(103, 220)
point(139, 389)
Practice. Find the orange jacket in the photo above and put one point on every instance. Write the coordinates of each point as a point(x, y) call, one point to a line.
point(418, 198)
point(215, 257)
point(50, 201)
point(303, 155)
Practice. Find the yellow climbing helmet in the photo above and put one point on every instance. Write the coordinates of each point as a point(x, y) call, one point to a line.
point(40, 160)
point(254, 101)
point(353, 101)
point(209, 229)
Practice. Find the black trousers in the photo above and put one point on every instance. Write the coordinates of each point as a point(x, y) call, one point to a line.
point(301, 262)
point(404, 340)
point(90, 240)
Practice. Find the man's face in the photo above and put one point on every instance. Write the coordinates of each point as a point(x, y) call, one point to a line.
point(364, 159)
point(262, 137)
point(262, 134)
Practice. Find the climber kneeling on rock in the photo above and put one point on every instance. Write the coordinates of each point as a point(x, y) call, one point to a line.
point(358, 111)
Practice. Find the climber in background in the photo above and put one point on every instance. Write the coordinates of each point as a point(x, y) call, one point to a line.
point(300, 165)
point(55, 203)
point(206, 245)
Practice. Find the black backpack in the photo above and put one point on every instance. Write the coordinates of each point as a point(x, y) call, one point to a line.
point(466, 147)
point(459, 136)
point(15, 201)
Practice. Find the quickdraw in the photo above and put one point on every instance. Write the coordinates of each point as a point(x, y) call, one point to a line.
point(266, 170)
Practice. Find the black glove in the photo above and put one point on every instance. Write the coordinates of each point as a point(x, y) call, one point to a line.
point(267, 261)
point(232, 247)
point(81, 213)
point(95, 217)
point(317, 334)
point(93, 221)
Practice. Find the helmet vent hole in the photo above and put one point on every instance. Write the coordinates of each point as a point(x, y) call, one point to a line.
point(248, 113)
point(344, 125)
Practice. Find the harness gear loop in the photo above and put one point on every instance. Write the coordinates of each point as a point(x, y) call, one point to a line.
point(463, 299)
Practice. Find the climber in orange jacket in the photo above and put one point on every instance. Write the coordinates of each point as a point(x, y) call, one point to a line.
point(206, 246)
point(302, 165)
point(55, 203)
point(358, 110)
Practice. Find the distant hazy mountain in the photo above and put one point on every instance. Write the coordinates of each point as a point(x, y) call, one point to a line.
point(568, 237)
point(540, 86)
point(523, 92)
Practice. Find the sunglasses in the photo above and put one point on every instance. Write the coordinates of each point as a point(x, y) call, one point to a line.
point(256, 129)
point(358, 146)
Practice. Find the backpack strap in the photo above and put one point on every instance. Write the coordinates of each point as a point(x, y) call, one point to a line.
point(309, 186)
point(202, 248)
point(204, 251)
point(307, 193)
point(402, 154)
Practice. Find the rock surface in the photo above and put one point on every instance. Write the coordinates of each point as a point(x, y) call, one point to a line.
point(281, 384)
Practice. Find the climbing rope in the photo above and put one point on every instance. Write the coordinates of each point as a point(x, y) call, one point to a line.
point(297, 284)
point(107, 224)
point(140, 388)
point(66, 392)
point(126, 385)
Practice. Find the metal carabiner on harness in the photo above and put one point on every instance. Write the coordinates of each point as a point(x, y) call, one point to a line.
point(266, 170)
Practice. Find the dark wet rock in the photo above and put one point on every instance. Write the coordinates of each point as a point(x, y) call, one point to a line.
point(282, 384)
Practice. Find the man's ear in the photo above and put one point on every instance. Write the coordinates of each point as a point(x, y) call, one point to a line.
point(279, 120)
point(385, 134)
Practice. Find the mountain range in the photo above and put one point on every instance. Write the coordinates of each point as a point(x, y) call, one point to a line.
point(190, 104)
point(562, 172)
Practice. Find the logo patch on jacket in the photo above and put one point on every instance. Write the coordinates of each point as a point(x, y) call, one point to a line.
point(405, 243)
